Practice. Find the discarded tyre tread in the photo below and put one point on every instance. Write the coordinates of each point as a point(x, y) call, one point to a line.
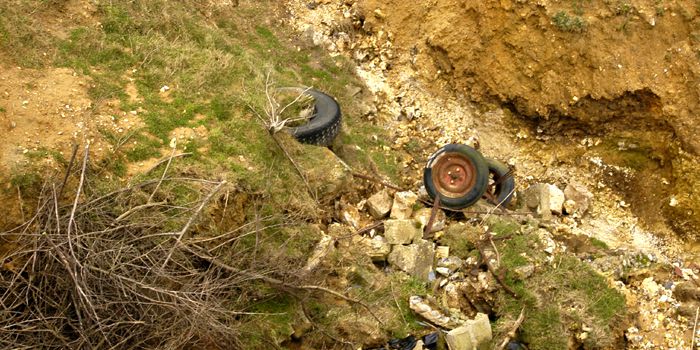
point(324, 125)
point(505, 187)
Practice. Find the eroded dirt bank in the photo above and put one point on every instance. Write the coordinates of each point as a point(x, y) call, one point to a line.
point(623, 71)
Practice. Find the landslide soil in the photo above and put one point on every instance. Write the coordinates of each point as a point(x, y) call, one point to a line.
point(625, 72)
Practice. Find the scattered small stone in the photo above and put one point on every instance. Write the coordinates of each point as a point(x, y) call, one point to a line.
point(323, 248)
point(379, 204)
point(443, 271)
point(422, 308)
point(650, 287)
point(350, 216)
point(453, 263)
point(524, 272)
point(377, 247)
point(442, 252)
point(578, 198)
point(402, 207)
point(546, 198)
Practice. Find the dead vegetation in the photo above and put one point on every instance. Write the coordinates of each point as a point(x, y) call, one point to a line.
point(128, 268)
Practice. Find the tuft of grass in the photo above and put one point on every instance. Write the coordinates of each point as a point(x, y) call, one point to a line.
point(599, 244)
point(568, 23)
point(26, 181)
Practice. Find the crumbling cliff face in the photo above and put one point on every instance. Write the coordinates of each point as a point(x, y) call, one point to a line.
point(625, 71)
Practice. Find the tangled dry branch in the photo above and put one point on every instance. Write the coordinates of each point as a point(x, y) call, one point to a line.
point(120, 271)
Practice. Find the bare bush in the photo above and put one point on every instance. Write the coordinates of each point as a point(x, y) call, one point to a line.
point(119, 271)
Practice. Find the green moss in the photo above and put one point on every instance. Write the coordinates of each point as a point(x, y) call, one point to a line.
point(460, 238)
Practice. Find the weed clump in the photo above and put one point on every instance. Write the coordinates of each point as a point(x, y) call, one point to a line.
point(567, 23)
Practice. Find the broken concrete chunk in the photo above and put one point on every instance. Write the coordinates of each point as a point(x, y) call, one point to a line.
point(415, 259)
point(423, 215)
point(578, 198)
point(474, 334)
point(379, 204)
point(402, 231)
point(402, 208)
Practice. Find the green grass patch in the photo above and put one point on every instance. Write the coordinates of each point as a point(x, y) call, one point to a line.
point(560, 299)
point(145, 148)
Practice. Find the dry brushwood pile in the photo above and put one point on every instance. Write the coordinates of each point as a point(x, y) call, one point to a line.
point(123, 269)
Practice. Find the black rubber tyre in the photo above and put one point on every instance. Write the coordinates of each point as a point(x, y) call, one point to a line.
point(324, 125)
point(458, 173)
point(503, 191)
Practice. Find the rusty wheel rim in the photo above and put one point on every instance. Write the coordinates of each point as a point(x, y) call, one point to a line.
point(454, 175)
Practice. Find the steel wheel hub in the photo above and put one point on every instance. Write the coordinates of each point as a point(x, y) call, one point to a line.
point(454, 175)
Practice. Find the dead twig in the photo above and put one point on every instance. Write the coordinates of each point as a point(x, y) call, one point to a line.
point(493, 272)
point(74, 152)
point(368, 228)
point(695, 327)
point(160, 162)
point(191, 220)
point(165, 171)
point(511, 334)
point(433, 214)
point(495, 250)
point(398, 307)
point(135, 209)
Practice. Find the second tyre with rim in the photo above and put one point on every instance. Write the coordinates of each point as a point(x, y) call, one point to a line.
point(458, 174)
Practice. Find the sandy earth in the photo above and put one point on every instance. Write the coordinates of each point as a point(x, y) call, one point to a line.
point(425, 90)
point(630, 73)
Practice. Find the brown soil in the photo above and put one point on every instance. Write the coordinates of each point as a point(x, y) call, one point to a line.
point(618, 70)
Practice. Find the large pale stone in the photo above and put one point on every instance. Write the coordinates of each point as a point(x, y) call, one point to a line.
point(402, 208)
point(578, 198)
point(415, 259)
point(379, 204)
point(546, 198)
point(473, 335)
point(402, 231)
